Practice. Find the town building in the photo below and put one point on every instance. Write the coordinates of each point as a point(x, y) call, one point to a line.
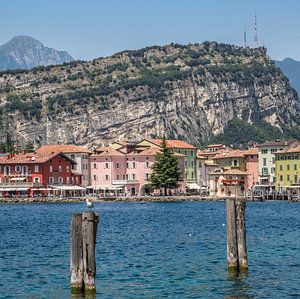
point(116, 172)
point(38, 174)
point(266, 159)
point(287, 168)
point(182, 148)
point(228, 183)
point(79, 154)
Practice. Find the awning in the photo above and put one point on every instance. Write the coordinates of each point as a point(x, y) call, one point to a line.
point(43, 189)
point(68, 187)
point(18, 179)
point(115, 187)
point(193, 186)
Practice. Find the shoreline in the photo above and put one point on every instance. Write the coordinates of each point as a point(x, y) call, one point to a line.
point(121, 199)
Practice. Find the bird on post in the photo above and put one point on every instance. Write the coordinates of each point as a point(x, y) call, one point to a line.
point(89, 204)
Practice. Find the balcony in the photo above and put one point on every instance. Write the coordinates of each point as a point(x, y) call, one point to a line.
point(19, 184)
point(124, 182)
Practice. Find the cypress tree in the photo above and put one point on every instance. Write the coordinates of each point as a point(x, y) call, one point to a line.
point(166, 172)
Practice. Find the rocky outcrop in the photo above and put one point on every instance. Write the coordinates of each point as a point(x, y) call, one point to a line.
point(185, 92)
point(24, 52)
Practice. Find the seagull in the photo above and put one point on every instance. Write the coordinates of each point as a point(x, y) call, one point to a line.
point(89, 204)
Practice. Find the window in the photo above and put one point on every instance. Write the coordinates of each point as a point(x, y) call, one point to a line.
point(106, 177)
point(94, 177)
point(68, 180)
point(117, 165)
point(273, 150)
point(25, 169)
point(295, 179)
point(235, 162)
point(133, 176)
point(288, 167)
point(281, 178)
point(288, 177)
point(133, 165)
point(95, 166)
point(265, 171)
point(106, 165)
point(264, 161)
point(118, 177)
point(280, 167)
point(36, 168)
point(51, 180)
point(200, 164)
point(185, 163)
point(273, 170)
point(147, 176)
point(147, 164)
point(264, 151)
point(68, 168)
point(60, 168)
point(295, 167)
point(51, 168)
point(192, 163)
point(60, 180)
point(36, 180)
point(72, 157)
point(18, 168)
point(273, 160)
point(126, 176)
point(127, 165)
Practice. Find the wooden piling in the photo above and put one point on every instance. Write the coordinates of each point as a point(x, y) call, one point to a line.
point(232, 250)
point(241, 235)
point(76, 263)
point(89, 230)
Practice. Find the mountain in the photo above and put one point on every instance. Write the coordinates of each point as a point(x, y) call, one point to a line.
point(291, 68)
point(24, 52)
point(188, 92)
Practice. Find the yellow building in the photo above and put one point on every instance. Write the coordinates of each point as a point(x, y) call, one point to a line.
point(287, 167)
point(234, 159)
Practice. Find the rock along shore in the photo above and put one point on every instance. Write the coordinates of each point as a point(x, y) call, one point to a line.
point(116, 199)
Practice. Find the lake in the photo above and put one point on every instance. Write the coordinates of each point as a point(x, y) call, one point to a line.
point(151, 250)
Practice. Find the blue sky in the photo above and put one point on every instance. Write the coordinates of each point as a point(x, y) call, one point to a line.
point(89, 29)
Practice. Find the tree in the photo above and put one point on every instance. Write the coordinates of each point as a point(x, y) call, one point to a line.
point(29, 147)
point(166, 172)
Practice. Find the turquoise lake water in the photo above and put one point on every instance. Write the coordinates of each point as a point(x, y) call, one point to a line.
point(151, 250)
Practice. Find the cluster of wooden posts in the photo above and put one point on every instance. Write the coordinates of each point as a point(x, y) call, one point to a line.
point(83, 240)
point(236, 235)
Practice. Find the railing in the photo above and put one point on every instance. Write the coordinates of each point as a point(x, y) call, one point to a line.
point(124, 182)
point(20, 184)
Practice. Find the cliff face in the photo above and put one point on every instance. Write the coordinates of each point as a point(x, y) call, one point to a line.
point(24, 52)
point(185, 92)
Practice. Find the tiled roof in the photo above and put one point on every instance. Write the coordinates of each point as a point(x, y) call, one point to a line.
point(32, 158)
point(230, 154)
point(251, 151)
point(234, 172)
point(289, 150)
point(214, 145)
point(108, 152)
point(150, 151)
point(172, 143)
point(278, 143)
point(63, 148)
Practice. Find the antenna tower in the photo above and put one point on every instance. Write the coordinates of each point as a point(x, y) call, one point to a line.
point(255, 32)
point(245, 38)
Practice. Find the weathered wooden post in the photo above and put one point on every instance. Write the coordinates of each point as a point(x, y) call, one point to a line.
point(76, 264)
point(83, 241)
point(232, 250)
point(241, 235)
point(89, 231)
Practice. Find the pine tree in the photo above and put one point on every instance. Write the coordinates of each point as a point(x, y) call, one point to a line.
point(166, 172)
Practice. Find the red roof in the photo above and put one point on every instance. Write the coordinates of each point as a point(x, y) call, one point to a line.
point(107, 152)
point(230, 154)
point(31, 158)
point(63, 148)
point(295, 149)
point(172, 143)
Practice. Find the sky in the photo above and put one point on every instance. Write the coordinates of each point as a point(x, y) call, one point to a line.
point(89, 29)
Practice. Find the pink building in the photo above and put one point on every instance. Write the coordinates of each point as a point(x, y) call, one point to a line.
point(123, 172)
point(251, 164)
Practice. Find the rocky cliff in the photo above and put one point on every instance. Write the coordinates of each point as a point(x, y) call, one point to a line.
point(185, 92)
point(24, 52)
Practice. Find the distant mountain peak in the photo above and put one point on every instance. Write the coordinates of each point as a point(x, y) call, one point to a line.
point(25, 52)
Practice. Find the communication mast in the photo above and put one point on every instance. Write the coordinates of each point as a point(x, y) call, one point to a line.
point(255, 32)
point(245, 38)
